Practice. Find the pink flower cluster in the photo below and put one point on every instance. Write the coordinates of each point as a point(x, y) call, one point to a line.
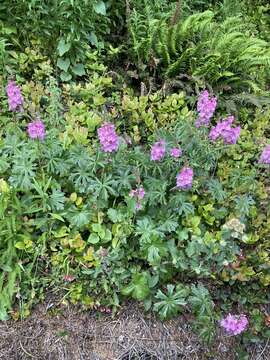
point(176, 152)
point(224, 130)
point(265, 156)
point(184, 178)
point(138, 194)
point(234, 324)
point(108, 138)
point(15, 99)
point(158, 150)
point(36, 130)
point(206, 107)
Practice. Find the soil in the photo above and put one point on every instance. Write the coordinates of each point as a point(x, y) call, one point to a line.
point(71, 334)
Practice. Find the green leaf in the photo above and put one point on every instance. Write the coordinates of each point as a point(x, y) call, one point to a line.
point(138, 288)
point(64, 76)
point(114, 216)
point(108, 236)
point(63, 64)
point(6, 268)
point(93, 238)
point(93, 39)
point(57, 217)
point(78, 69)
point(63, 47)
point(98, 228)
point(20, 245)
point(100, 8)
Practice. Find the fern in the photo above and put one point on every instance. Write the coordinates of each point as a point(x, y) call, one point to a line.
point(223, 54)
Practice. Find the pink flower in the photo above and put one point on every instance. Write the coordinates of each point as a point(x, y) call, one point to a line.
point(36, 130)
point(234, 324)
point(133, 193)
point(184, 178)
point(206, 107)
point(224, 130)
point(221, 126)
point(230, 136)
point(158, 150)
point(138, 194)
point(265, 155)
point(176, 152)
point(68, 278)
point(15, 99)
point(108, 138)
point(138, 206)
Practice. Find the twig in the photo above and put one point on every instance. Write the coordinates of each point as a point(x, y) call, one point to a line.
point(26, 352)
point(261, 354)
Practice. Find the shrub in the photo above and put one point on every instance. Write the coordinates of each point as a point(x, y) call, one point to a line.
point(62, 29)
point(108, 222)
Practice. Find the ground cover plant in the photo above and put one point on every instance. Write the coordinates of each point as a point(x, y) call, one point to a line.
point(116, 185)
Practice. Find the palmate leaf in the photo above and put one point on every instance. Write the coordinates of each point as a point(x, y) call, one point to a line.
point(154, 249)
point(216, 190)
point(170, 302)
point(181, 204)
point(243, 204)
point(56, 200)
point(169, 225)
point(23, 170)
point(200, 300)
point(138, 288)
point(78, 217)
point(146, 229)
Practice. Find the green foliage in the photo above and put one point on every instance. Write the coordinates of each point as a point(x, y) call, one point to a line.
point(170, 303)
point(9, 231)
point(200, 49)
point(63, 29)
point(68, 223)
point(79, 229)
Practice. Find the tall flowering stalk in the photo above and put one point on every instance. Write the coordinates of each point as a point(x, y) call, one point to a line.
point(224, 130)
point(184, 178)
point(265, 156)
point(158, 150)
point(15, 98)
point(206, 107)
point(108, 138)
point(36, 130)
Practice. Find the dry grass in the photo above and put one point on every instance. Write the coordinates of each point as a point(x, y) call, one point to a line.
point(75, 335)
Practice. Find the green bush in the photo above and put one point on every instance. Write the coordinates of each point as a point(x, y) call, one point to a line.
point(98, 228)
point(78, 228)
point(62, 29)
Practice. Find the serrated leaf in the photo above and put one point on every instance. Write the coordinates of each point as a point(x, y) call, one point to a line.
point(113, 215)
point(138, 288)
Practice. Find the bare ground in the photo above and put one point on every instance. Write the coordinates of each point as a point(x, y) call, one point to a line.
point(75, 335)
